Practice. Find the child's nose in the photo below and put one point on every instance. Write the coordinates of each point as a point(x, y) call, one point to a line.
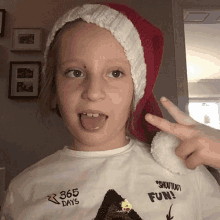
point(94, 89)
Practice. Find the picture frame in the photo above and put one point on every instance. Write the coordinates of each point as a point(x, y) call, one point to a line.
point(24, 80)
point(27, 39)
point(2, 22)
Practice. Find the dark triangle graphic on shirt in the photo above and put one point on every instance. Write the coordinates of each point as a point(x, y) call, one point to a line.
point(114, 207)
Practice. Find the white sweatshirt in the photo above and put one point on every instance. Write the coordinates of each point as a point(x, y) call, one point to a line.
point(124, 183)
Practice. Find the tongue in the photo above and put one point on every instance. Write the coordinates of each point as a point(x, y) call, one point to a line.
point(93, 123)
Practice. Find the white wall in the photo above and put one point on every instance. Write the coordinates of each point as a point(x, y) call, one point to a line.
point(203, 59)
point(202, 51)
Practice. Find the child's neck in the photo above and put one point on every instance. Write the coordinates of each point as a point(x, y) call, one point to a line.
point(106, 145)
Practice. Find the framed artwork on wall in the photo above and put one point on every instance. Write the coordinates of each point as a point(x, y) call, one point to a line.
point(24, 80)
point(2, 22)
point(27, 39)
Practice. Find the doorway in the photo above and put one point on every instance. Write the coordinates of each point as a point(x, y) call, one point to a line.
point(202, 41)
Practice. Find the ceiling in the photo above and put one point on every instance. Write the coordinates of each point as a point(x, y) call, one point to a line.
point(202, 40)
point(191, 16)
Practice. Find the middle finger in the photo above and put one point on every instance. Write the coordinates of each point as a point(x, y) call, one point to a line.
point(176, 113)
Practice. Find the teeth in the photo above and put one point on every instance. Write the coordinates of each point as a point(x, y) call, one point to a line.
point(91, 115)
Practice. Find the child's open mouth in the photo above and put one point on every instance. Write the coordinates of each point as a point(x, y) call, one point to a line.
point(91, 123)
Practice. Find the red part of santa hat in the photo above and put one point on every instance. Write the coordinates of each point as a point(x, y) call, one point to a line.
point(152, 42)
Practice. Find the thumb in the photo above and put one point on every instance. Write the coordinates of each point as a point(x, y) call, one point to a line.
point(186, 148)
point(193, 160)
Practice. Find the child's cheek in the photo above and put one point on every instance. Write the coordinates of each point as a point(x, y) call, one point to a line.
point(65, 93)
point(121, 93)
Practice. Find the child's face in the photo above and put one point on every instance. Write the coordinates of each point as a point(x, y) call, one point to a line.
point(96, 55)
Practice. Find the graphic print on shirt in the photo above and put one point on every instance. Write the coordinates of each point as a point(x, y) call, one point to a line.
point(154, 196)
point(66, 198)
point(169, 215)
point(116, 207)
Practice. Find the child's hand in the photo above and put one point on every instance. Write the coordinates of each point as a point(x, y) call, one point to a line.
point(199, 144)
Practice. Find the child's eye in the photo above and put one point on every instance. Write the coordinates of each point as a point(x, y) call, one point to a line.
point(77, 73)
point(116, 73)
point(73, 73)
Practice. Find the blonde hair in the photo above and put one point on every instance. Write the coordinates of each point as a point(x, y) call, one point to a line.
point(47, 95)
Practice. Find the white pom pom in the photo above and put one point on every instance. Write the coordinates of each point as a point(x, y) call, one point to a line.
point(163, 151)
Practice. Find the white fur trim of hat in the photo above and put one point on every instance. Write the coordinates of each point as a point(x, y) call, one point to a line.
point(163, 151)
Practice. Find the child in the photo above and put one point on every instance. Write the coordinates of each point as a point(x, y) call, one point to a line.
point(101, 63)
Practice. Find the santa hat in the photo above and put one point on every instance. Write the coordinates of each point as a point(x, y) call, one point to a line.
point(143, 46)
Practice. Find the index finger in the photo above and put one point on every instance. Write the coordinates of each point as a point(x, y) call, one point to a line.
point(178, 130)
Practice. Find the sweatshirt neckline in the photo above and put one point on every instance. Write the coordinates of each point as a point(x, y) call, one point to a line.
point(105, 153)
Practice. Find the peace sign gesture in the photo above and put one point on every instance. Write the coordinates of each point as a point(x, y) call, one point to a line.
point(199, 144)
